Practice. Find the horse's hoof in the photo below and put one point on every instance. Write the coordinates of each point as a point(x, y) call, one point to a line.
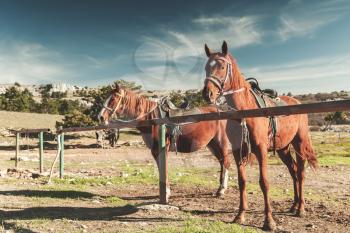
point(300, 213)
point(269, 225)
point(293, 210)
point(239, 219)
point(220, 193)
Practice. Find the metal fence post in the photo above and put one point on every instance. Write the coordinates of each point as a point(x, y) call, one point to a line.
point(61, 141)
point(163, 166)
point(18, 135)
point(41, 151)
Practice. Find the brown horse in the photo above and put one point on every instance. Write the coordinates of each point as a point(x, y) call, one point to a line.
point(192, 138)
point(223, 78)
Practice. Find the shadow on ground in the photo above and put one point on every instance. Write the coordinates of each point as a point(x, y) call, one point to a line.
point(8, 226)
point(82, 214)
point(74, 213)
point(52, 194)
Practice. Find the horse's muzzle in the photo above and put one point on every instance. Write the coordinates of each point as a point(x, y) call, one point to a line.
point(208, 96)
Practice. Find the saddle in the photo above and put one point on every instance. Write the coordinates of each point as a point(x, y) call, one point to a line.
point(267, 98)
point(170, 110)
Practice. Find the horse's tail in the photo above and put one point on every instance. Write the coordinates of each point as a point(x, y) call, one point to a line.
point(306, 146)
point(311, 155)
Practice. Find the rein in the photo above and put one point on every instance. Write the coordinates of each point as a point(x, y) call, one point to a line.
point(112, 111)
point(140, 116)
point(220, 82)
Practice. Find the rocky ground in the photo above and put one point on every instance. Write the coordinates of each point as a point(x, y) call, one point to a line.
point(116, 190)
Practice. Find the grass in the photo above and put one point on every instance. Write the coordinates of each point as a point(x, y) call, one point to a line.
point(194, 176)
point(329, 150)
point(140, 174)
point(28, 120)
point(204, 226)
point(116, 201)
point(274, 192)
point(333, 153)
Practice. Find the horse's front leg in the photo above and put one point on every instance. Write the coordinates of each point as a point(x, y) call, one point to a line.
point(242, 183)
point(223, 179)
point(269, 223)
point(155, 155)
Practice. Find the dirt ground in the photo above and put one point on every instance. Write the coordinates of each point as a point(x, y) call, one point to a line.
point(115, 190)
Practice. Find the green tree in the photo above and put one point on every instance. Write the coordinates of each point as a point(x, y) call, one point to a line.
point(75, 119)
point(335, 118)
point(58, 95)
point(45, 90)
point(16, 100)
point(194, 98)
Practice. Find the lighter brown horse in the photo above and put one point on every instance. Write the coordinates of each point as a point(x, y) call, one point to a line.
point(223, 78)
point(192, 138)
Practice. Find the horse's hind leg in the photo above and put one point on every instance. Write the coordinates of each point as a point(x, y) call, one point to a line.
point(288, 160)
point(301, 158)
point(222, 155)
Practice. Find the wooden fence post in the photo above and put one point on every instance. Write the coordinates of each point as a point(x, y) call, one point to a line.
point(60, 140)
point(41, 151)
point(18, 135)
point(163, 166)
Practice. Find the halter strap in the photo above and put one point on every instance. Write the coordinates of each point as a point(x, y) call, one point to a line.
point(219, 83)
point(112, 111)
point(233, 91)
point(109, 109)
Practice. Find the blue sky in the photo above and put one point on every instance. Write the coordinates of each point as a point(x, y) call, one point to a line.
point(298, 46)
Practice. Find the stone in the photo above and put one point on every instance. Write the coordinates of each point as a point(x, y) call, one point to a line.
point(159, 207)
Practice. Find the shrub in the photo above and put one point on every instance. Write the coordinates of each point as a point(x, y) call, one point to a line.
point(75, 119)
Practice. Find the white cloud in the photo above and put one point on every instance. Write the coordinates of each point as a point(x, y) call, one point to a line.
point(303, 18)
point(28, 63)
point(180, 55)
point(238, 31)
point(320, 74)
point(162, 78)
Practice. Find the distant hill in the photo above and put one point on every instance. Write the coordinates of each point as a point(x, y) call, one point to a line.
point(84, 98)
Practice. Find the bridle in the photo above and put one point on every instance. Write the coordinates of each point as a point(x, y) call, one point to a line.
point(220, 82)
point(113, 110)
point(109, 109)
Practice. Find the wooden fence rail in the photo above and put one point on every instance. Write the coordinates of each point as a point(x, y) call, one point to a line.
point(40, 133)
point(332, 106)
point(343, 105)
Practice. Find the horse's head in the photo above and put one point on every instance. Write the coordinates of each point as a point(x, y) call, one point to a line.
point(112, 105)
point(218, 73)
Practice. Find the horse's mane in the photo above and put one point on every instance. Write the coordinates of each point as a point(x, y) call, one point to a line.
point(237, 79)
point(135, 104)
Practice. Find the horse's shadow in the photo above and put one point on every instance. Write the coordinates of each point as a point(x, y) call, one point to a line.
point(74, 213)
point(52, 194)
point(121, 213)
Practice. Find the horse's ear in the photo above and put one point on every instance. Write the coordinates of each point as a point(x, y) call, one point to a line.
point(116, 87)
point(224, 48)
point(207, 50)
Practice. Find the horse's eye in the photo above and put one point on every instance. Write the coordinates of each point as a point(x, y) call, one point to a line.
point(222, 67)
